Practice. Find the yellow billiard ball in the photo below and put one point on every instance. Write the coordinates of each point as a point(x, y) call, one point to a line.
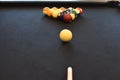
point(73, 16)
point(55, 14)
point(65, 35)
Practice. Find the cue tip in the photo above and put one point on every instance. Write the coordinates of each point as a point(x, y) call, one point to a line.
point(69, 68)
point(69, 73)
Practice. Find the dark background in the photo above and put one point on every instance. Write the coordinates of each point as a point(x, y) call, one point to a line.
point(30, 48)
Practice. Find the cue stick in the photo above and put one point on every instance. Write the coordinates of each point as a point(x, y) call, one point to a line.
point(69, 73)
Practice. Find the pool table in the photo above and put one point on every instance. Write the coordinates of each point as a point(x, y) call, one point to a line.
point(30, 48)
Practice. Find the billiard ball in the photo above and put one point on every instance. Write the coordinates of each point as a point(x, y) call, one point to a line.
point(59, 10)
point(77, 11)
point(49, 13)
point(45, 9)
point(80, 10)
point(55, 14)
point(60, 16)
point(62, 8)
point(67, 17)
point(65, 35)
point(54, 8)
point(73, 16)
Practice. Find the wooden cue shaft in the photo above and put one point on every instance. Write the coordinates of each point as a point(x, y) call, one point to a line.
point(69, 73)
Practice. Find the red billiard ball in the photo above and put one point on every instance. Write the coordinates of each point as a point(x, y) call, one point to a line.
point(67, 17)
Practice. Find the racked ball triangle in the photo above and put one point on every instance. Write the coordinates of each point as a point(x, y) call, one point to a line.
point(62, 13)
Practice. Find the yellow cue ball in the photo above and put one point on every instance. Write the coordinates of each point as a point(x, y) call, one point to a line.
point(65, 35)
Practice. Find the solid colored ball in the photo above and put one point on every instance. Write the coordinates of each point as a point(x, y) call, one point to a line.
point(54, 8)
point(59, 10)
point(49, 13)
point(45, 10)
point(60, 16)
point(65, 35)
point(55, 14)
point(62, 8)
point(67, 17)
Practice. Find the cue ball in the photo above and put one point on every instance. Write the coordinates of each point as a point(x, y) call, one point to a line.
point(65, 35)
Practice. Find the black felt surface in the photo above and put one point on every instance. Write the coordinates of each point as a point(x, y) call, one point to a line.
point(30, 48)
